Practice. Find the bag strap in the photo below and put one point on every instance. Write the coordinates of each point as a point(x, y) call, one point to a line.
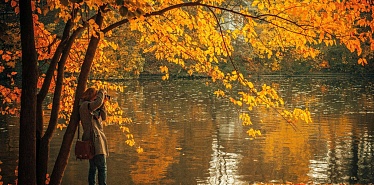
point(79, 125)
point(91, 130)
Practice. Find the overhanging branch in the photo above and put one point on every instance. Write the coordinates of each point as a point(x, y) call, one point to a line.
point(160, 12)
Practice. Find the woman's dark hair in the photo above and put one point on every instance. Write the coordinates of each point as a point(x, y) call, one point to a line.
point(89, 94)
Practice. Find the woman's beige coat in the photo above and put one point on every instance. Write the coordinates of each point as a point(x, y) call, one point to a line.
point(86, 111)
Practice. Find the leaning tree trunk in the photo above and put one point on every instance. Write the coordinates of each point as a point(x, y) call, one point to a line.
point(63, 156)
point(49, 76)
point(27, 138)
point(46, 139)
point(41, 151)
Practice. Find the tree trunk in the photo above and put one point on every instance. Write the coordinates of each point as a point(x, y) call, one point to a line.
point(63, 156)
point(46, 139)
point(42, 164)
point(27, 136)
point(41, 152)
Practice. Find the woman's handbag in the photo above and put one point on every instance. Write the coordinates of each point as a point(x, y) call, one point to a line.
point(84, 149)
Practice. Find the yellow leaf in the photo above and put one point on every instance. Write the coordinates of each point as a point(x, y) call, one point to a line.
point(219, 93)
point(166, 77)
point(139, 150)
point(255, 3)
point(91, 21)
point(261, 6)
point(61, 126)
point(190, 72)
point(164, 69)
point(362, 61)
point(250, 85)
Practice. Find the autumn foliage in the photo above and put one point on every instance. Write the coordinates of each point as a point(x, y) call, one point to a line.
point(201, 32)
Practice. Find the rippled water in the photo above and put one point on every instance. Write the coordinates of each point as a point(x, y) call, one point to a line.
point(191, 137)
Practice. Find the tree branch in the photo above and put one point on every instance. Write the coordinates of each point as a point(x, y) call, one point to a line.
point(197, 3)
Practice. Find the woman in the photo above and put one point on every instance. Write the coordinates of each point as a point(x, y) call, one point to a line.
point(92, 112)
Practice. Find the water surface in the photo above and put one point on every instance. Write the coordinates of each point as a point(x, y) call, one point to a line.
point(191, 137)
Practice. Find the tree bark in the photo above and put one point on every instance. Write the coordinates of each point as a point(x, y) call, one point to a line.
point(63, 156)
point(27, 136)
point(48, 78)
point(41, 152)
point(44, 148)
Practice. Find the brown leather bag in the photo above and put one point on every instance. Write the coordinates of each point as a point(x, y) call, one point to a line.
point(84, 149)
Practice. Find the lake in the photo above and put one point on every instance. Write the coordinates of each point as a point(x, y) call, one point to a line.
point(191, 137)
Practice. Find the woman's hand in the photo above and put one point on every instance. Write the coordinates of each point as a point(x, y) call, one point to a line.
point(103, 91)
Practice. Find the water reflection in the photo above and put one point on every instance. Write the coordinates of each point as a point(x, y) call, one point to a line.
point(190, 137)
point(8, 149)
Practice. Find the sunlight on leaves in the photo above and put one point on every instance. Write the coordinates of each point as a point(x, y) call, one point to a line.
point(61, 126)
point(139, 150)
point(253, 133)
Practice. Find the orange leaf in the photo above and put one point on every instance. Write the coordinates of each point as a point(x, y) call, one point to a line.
point(362, 61)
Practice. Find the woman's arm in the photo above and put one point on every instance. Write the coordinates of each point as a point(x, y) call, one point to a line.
point(103, 112)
